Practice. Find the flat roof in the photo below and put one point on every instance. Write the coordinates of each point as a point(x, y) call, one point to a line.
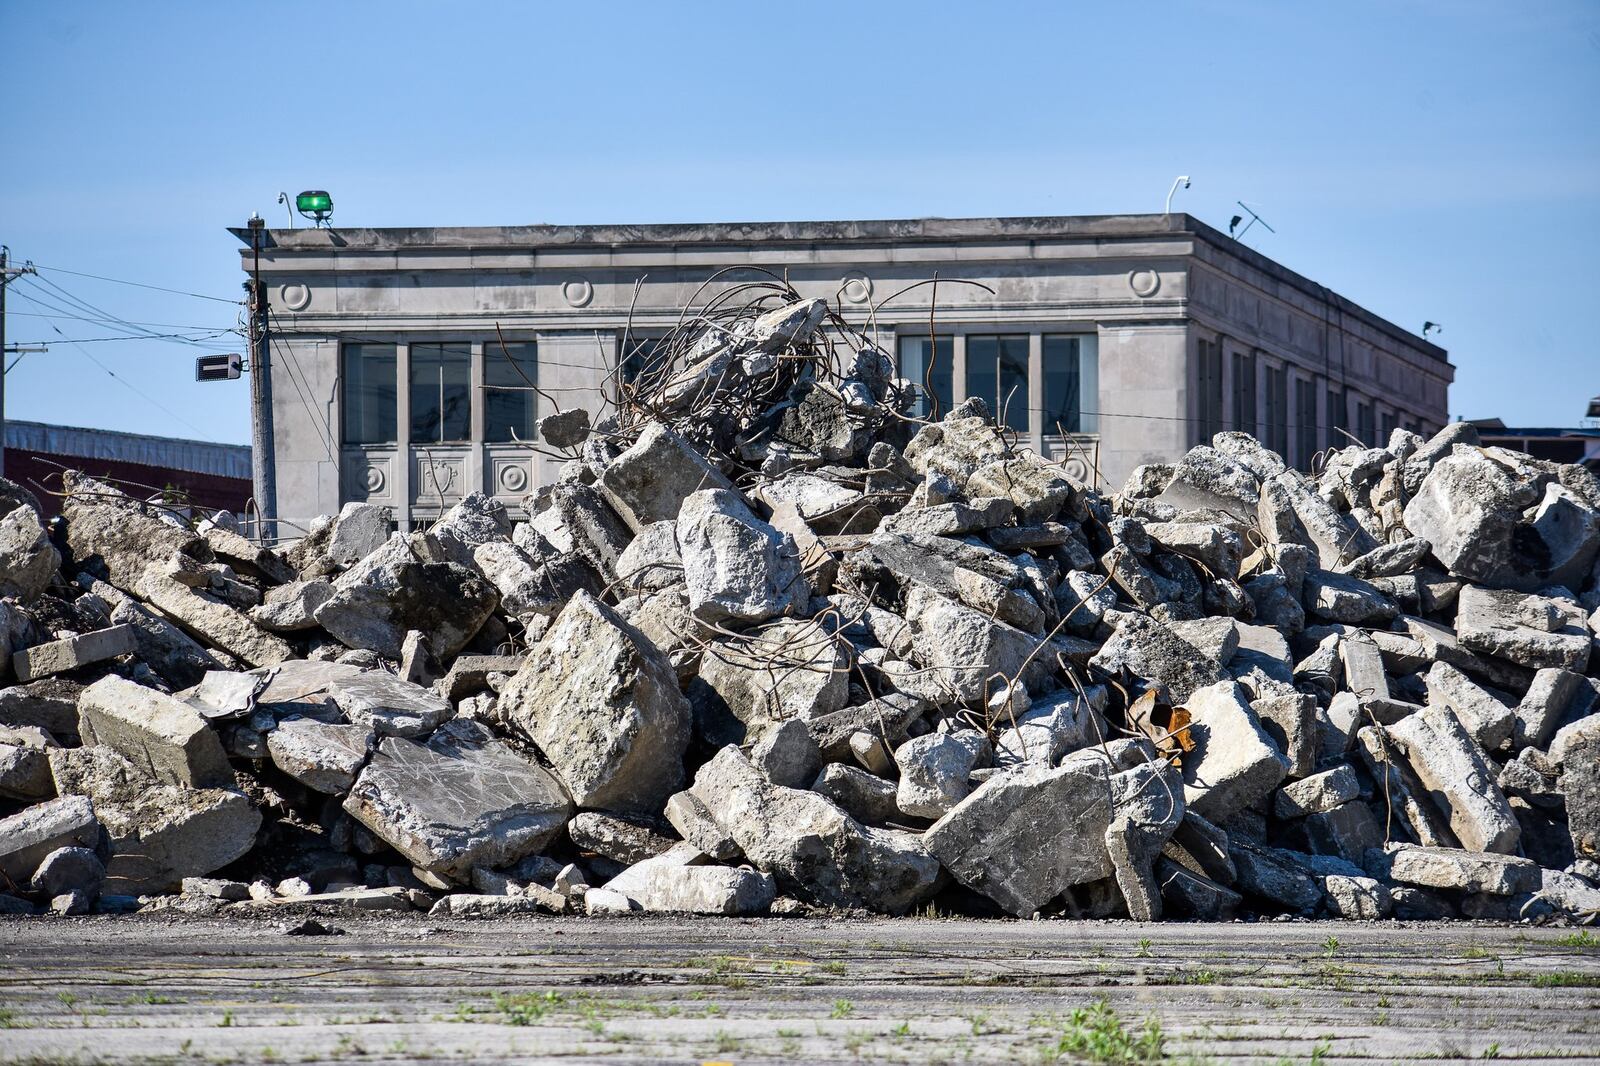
point(861, 231)
point(171, 453)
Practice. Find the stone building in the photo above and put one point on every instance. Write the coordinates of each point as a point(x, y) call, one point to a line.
point(1107, 341)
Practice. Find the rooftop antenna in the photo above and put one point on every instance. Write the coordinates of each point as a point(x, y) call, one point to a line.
point(1254, 218)
point(1181, 179)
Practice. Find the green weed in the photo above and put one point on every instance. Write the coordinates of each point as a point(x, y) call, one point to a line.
point(1096, 1034)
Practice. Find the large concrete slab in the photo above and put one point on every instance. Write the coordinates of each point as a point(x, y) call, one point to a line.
point(627, 990)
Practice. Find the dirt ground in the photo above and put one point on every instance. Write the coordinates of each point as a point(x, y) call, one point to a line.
point(149, 989)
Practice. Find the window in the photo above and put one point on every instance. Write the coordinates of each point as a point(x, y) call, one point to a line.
point(1210, 383)
point(1386, 427)
point(1278, 409)
point(1338, 417)
point(930, 366)
point(640, 355)
point(1071, 384)
point(441, 393)
point(1366, 429)
point(997, 373)
point(509, 404)
point(1244, 392)
point(1305, 404)
point(367, 393)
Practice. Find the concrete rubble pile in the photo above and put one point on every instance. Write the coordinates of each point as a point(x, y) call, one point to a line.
point(769, 644)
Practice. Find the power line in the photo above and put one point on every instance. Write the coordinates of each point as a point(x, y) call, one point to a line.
point(133, 334)
point(136, 284)
point(192, 337)
point(93, 309)
point(152, 401)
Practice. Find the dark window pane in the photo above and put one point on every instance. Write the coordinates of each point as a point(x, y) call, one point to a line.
point(997, 372)
point(441, 393)
point(1278, 410)
point(1306, 415)
point(509, 407)
point(643, 357)
point(1244, 392)
point(916, 355)
point(1209, 356)
point(367, 393)
point(1071, 384)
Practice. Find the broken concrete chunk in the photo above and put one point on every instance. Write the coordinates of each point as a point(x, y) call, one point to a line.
point(695, 889)
point(564, 429)
point(1270, 874)
point(786, 754)
point(786, 669)
point(1340, 598)
point(69, 653)
point(737, 567)
point(165, 833)
point(651, 561)
point(320, 755)
point(109, 533)
point(1188, 894)
point(1055, 725)
point(1450, 765)
point(866, 797)
point(1469, 508)
point(1150, 650)
point(962, 648)
point(1528, 630)
point(602, 704)
point(27, 837)
point(211, 621)
point(1234, 762)
point(462, 799)
point(1207, 479)
point(1580, 783)
point(292, 607)
point(1553, 694)
point(161, 735)
point(1486, 717)
point(651, 480)
point(1027, 835)
point(813, 848)
point(387, 705)
point(1147, 807)
point(447, 603)
point(1038, 489)
point(693, 821)
point(28, 561)
point(624, 840)
point(1463, 871)
point(934, 769)
point(1317, 794)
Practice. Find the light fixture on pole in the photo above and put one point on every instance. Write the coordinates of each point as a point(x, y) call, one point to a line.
point(315, 205)
point(1181, 179)
point(1431, 327)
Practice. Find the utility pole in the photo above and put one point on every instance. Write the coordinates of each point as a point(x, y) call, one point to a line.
point(263, 461)
point(7, 272)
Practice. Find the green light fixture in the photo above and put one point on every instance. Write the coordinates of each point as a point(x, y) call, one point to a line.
point(315, 205)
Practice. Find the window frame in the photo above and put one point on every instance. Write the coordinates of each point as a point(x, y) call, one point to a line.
point(494, 358)
point(345, 407)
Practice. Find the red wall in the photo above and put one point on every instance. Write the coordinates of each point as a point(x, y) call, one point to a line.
point(41, 473)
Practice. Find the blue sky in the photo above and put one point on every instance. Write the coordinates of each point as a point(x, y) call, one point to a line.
point(1431, 160)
